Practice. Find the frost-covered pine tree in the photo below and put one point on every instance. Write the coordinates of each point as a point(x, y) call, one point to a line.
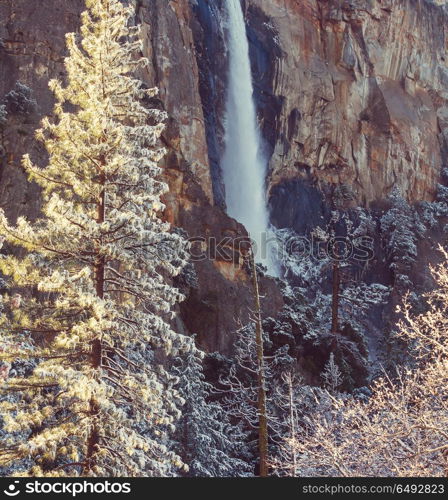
point(208, 442)
point(95, 299)
point(401, 228)
point(332, 376)
point(3, 115)
point(239, 389)
point(240, 394)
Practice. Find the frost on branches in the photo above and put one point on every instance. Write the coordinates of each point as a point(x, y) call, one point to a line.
point(94, 317)
point(207, 440)
point(401, 228)
point(400, 429)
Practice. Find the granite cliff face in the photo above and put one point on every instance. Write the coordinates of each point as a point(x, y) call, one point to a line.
point(363, 91)
point(350, 93)
point(33, 50)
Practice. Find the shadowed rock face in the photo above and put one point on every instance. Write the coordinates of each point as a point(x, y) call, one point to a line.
point(208, 32)
point(348, 92)
point(298, 204)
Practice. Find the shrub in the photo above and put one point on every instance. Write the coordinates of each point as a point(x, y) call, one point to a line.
point(20, 100)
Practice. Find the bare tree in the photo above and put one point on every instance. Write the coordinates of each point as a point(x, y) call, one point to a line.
point(261, 376)
point(246, 386)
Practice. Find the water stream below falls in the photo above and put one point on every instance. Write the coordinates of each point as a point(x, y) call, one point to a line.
point(244, 165)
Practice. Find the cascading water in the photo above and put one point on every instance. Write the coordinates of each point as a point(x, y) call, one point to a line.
point(244, 167)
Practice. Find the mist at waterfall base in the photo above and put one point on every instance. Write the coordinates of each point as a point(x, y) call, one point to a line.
point(244, 165)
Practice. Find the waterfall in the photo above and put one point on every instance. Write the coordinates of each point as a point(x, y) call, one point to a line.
point(243, 164)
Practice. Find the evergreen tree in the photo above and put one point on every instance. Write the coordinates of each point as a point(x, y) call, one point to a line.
point(95, 305)
point(263, 433)
point(332, 376)
point(240, 391)
point(3, 115)
point(401, 228)
point(208, 443)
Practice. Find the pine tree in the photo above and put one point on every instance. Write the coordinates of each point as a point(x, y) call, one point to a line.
point(3, 115)
point(332, 376)
point(241, 396)
point(239, 389)
point(207, 441)
point(247, 383)
point(286, 389)
point(401, 228)
point(95, 305)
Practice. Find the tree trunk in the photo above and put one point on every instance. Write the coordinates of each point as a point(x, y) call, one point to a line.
point(292, 424)
point(335, 299)
point(96, 344)
point(262, 414)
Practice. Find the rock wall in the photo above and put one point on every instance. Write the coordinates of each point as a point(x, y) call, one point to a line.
point(363, 86)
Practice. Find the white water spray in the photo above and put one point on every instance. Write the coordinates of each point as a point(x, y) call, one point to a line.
point(244, 167)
